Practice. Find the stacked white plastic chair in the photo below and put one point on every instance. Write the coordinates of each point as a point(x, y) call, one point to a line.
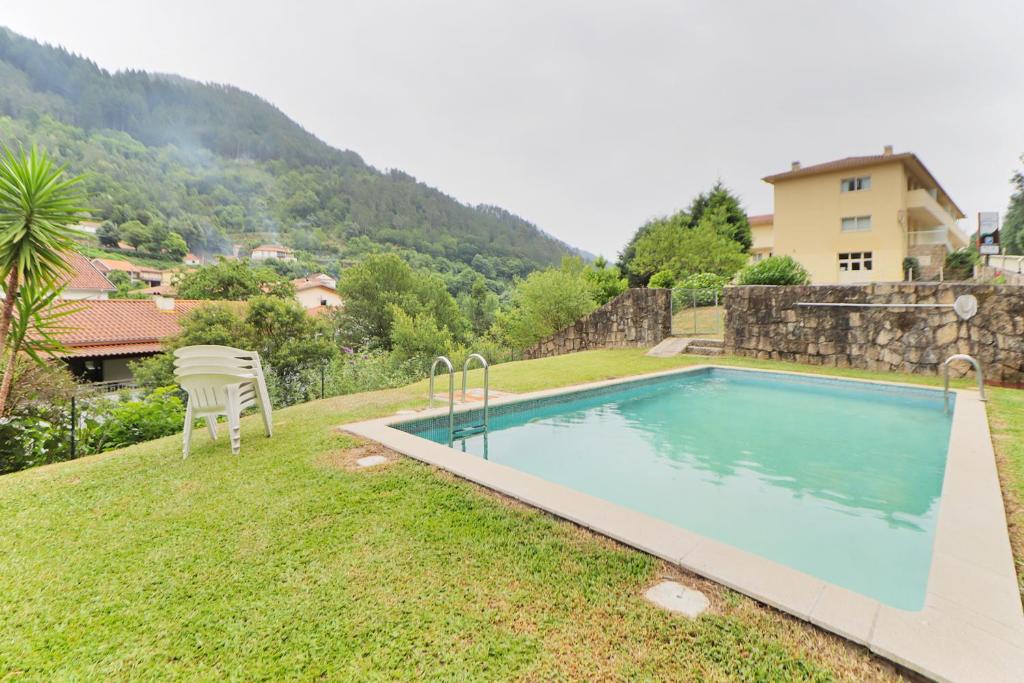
point(221, 380)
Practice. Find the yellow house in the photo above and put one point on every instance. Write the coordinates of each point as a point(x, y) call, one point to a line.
point(856, 219)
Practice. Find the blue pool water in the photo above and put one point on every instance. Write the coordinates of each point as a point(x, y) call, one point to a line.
point(839, 479)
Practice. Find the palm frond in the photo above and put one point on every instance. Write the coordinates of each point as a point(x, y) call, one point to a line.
point(39, 321)
point(38, 206)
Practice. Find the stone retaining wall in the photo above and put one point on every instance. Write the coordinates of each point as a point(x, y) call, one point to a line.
point(766, 322)
point(637, 317)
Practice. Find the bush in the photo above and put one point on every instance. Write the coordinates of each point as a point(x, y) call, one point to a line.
point(775, 270)
point(353, 372)
point(115, 424)
point(960, 264)
point(705, 289)
point(543, 303)
point(663, 279)
point(910, 263)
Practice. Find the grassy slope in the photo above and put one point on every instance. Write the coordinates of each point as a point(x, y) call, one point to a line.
point(280, 564)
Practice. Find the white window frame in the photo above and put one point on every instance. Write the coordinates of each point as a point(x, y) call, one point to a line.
point(855, 184)
point(856, 261)
point(855, 223)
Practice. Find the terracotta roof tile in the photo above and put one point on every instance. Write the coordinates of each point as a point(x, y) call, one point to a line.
point(103, 350)
point(122, 321)
point(116, 264)
point(304, 283)
point(84, 275)
point(761, 219)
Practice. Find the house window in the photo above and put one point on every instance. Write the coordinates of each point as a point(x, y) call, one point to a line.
point(855, 184)
point(856, 223)
point(855, 260)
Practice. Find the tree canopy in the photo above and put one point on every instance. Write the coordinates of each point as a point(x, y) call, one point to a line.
point(1012, 231)
point(667, 245)
point(233, 281)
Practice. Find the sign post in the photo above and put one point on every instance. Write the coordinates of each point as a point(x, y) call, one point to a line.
point(988, 233)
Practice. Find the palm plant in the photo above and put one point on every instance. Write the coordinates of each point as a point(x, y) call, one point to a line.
point(38, 206)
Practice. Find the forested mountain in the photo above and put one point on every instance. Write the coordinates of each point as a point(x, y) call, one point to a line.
point(218, 165)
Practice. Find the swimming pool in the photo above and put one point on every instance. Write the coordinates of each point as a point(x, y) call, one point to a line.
point(838, 479)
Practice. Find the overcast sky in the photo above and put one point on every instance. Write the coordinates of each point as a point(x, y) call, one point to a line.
point(588, 118)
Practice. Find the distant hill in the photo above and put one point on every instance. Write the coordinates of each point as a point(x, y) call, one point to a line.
point(219, 165)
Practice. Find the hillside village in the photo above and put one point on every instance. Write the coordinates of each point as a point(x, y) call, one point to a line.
point(270, 412)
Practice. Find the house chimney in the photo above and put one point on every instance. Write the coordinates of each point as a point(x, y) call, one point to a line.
point(795, 166)
point(887, 151)
point(163, 303)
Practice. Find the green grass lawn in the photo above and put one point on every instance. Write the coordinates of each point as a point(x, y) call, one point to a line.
point(704, 321)
point(285, 563)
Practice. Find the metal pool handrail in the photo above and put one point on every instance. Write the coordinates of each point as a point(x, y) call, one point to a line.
point(977, 373)
point(451, 392)
point(465, 375)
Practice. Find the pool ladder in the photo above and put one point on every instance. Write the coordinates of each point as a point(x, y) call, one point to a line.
point(977, 374)
point(468, 430)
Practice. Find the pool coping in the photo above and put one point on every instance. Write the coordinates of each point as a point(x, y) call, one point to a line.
point(971, 626)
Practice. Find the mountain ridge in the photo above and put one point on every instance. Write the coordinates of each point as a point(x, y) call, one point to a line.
point(234, 167)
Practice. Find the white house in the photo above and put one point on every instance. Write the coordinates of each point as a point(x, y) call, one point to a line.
point(269, 251)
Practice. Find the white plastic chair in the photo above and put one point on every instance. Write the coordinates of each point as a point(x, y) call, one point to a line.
point(221, 380)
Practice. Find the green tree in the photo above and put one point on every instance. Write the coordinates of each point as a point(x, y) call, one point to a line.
point(418, 338)
point(479, 305)
point(174, 246)
point(731, 219)
point(606, 282)
point(372, 288)
point(38, 207)
point(543, 303)
point(290, 342)
point(134, 233)
point(684, 251)
point(1012, 231)
point(233, 281)
point(108, 234)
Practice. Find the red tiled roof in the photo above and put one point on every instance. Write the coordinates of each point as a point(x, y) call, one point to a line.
point(907, 158)
point(84, 275)
point(761, 219)
point(116, 264)
point(304, 283)
point(108, 322)
point(104, 350)
point(839, 165)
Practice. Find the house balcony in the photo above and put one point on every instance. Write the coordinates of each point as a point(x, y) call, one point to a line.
point(946, 235)
point(926, 211)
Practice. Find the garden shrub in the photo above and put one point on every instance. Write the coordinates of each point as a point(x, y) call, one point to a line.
point(663, 279)
point(775, 270)
point(118, 423)
point(705, 288)
point(960, 264)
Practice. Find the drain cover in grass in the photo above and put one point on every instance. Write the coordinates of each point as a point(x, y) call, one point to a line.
point(371, 460)
point(675, 597)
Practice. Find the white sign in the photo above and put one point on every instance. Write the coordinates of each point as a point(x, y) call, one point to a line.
point(988, 232)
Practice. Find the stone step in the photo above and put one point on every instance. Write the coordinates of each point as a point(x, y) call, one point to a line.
point(710, 343)
point(705, 350)
point(667, 348)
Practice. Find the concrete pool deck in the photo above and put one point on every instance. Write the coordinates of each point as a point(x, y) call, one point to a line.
point(971, 627)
